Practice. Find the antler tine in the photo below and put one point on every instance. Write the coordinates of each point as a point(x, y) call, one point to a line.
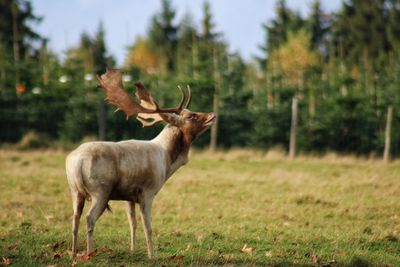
point(176, 110)
point(189, 98)
point(182, 98)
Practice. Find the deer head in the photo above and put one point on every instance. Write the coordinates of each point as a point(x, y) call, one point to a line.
point(192, 124)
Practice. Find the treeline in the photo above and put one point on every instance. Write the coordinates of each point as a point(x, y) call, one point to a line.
point(343, 69)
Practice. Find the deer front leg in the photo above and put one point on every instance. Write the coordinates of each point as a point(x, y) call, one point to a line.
point(145, 209)
point(130, 211)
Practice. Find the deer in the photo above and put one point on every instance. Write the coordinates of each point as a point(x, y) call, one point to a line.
point(133, 171)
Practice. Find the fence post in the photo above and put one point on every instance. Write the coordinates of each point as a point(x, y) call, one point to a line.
point(217, 88)
point(386, 152)
point(293, 128)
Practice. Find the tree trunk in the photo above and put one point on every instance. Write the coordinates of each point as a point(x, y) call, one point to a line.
point(16, 43)
point(312, 106)
point(386, 152)
point(217, 84)
point(195, 59)
point(293, 128)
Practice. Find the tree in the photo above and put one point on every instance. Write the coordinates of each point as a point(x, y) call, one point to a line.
point(235, 112)
point(359, 32)
point(293, 58)
point(141, 55)
point(17, 38)
point(318, 25)
point(187, 48)
point(277, 29)
point(83, 62)
point(101, 59)
point(210, 55)
point(393, 31)
point(208, 43)
point(163, 36)
point(207, 24)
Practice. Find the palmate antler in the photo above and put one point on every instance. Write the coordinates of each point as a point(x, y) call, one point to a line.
point(147, 109)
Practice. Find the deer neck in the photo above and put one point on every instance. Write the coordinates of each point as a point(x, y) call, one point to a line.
point(172, 140)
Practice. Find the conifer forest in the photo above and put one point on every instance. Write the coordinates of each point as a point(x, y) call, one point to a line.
point(337, 72)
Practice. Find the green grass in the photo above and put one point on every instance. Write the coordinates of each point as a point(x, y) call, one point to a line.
point(232, 209)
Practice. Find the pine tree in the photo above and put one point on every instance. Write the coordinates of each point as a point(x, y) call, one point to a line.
point(141, 55)
point(393, 29)
point(163, 35)
point(187, 44)
point(359, 32)
point(277, 29)
point(318, 26)
point(19, 39)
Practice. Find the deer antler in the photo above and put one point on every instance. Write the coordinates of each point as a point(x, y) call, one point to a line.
point(147, 108)
point(189, 98)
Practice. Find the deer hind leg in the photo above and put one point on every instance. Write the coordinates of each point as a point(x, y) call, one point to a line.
point(130, 212)
point(78, 202)
point(97, 208)
point(145, 209)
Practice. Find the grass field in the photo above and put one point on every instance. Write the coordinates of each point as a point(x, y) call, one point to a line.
point(240, 208)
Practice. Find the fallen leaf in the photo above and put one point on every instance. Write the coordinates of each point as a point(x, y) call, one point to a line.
point(49, 217)
point(200, 237)
point(6, 261)
point(268, 254)
point(56, 256)
point(86, 257)
point(177, 257)
point(13, 247)
point(228, 256)
point(247, 249)
point(210, 252)
point(314, 258)
point(93, 253)
point(176, 233)
point(58, 245)
point(83, 256)
point(188, 247)
point(105, 250)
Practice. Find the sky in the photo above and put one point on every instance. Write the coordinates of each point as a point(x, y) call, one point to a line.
point(240, 21)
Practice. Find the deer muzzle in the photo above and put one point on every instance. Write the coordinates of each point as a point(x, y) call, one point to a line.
point(210, 119)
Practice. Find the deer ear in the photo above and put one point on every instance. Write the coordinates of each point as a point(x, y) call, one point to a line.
point(172, 118)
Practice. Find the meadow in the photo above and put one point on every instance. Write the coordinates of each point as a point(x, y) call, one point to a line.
point(237, 208)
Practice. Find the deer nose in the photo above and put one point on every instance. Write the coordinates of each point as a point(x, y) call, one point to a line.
point(211, 116)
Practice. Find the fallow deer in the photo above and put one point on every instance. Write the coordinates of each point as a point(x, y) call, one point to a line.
point(133, 171)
